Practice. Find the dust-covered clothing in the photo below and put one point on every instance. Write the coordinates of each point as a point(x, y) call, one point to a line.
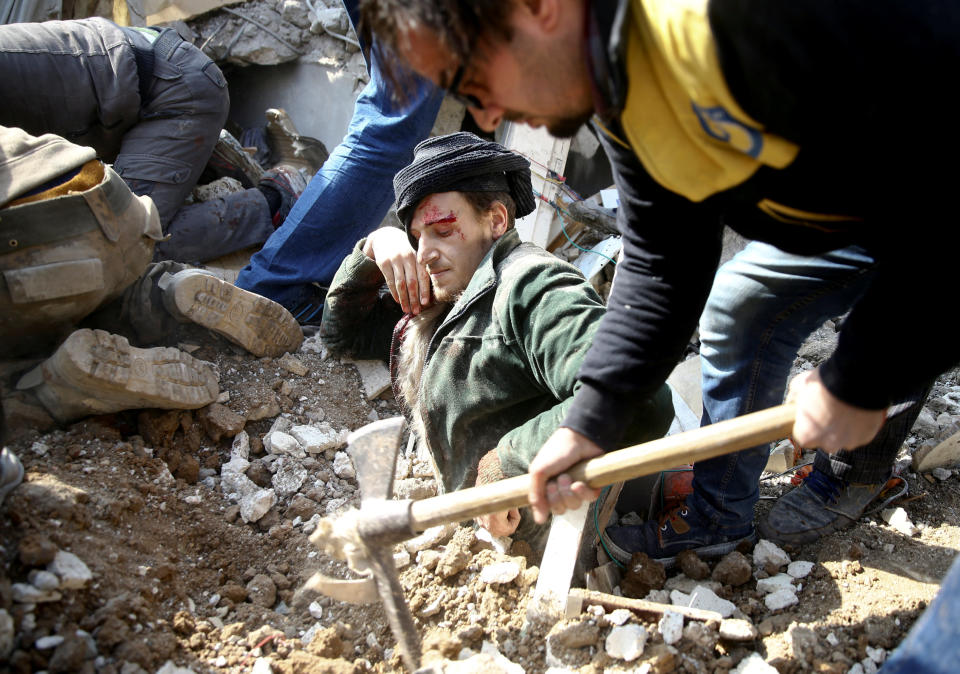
point(148, 102)
point(501, 364)
point(798, 124)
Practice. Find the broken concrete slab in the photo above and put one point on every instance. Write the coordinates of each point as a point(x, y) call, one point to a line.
point(374, 376)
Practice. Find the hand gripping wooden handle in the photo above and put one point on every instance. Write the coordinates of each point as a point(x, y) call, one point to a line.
point(624, 464)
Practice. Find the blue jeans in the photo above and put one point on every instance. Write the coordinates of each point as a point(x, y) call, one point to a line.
point(349, 195)
point(763, 305)
point(931, 647)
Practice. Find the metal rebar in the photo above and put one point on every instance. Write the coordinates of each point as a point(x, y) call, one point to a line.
point(265, 29)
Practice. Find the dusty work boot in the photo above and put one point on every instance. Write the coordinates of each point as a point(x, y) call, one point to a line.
point(95, 372)
point(678, 529)
point(11, 472)
point(261, 326)
point(289, 147)
point(820, 505)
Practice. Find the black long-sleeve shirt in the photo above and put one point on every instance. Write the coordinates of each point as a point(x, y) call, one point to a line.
point(866, 91)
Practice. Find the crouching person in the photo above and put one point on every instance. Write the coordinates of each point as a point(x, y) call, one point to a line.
point(76, 250)
point(484, 333)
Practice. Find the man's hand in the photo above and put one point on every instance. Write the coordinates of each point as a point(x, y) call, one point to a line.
point(825, 421)
point(408, 281)
point(561, 450)
point(501, 524)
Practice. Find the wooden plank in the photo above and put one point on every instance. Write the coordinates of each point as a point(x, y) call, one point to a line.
point(549, 600)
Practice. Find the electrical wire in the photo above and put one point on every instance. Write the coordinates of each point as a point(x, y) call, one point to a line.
point(564, 215)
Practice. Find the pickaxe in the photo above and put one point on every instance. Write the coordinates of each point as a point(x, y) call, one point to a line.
point(365, 537)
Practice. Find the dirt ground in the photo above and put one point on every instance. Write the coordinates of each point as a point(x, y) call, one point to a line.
point(178, 579)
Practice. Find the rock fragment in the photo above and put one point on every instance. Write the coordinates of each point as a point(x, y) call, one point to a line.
point(734, 570)
point(343, 466)
point(735, 629)
point(626, 642)
point(754, 664)
point(219, 421)
point(293, 365)
point(781, 581)
point(800, 569)
point(73, 573)
point(768, 553)
point(671, 627)
point(899, 520)
point(780, 599)
point(500, 573)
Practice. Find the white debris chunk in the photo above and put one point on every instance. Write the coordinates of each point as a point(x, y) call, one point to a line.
point(283, 443)
point(619, 616)
point(767, 552)
point(401, 559)
point(671, 627)
point(256, 504)
point(317, 439)
point(942, 473)
point(706, 599)
point(52, 641)
point(833, 640)
point(780, 599)
point(289, 477)
point(899, 520)
point(500, 572)
point(430, 538)
point(626, 642)
point(235, 466)
point(24, 593)
point(343, 466)
point(240, 449)
point(374, 376)
point(878, 655)
point(781, 581)
point(315, 610)
point(73, 573)
point(800, 569)
point(504, 664)
point(754, 664)
point(262, 666)
point(45, 581)
point(736, 629)
point(499, 543)
point(432, 608)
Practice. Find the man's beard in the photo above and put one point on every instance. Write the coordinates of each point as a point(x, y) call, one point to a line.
point(446, 296)
point(568, 127)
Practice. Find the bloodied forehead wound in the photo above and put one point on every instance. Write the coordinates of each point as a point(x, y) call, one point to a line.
point(431, 214)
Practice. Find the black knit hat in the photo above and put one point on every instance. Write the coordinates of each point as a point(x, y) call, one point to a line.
point(462, 162)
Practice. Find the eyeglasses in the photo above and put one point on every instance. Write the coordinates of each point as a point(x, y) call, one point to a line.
point(468, 100)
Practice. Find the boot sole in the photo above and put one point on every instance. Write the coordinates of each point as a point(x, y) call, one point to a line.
point(95, 371)
point(259, 325)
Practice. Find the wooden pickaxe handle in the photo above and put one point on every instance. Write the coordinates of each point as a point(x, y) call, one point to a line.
point(624, 464)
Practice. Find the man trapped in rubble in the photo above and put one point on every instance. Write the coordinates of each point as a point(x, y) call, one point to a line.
point(484, 334)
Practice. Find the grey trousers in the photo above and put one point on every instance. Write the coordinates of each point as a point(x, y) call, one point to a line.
point(153, 108)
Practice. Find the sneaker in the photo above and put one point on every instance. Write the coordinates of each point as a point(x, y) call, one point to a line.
point(289, 183)
point(95, 372)
point(678, 529)
point(11, 472)
point(820, 505)
point(259, 325)
point(309, 312)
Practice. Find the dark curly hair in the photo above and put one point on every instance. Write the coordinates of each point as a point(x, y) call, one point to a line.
point(456, 24)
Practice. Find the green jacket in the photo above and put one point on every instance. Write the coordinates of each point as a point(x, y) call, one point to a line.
point(501, 367)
